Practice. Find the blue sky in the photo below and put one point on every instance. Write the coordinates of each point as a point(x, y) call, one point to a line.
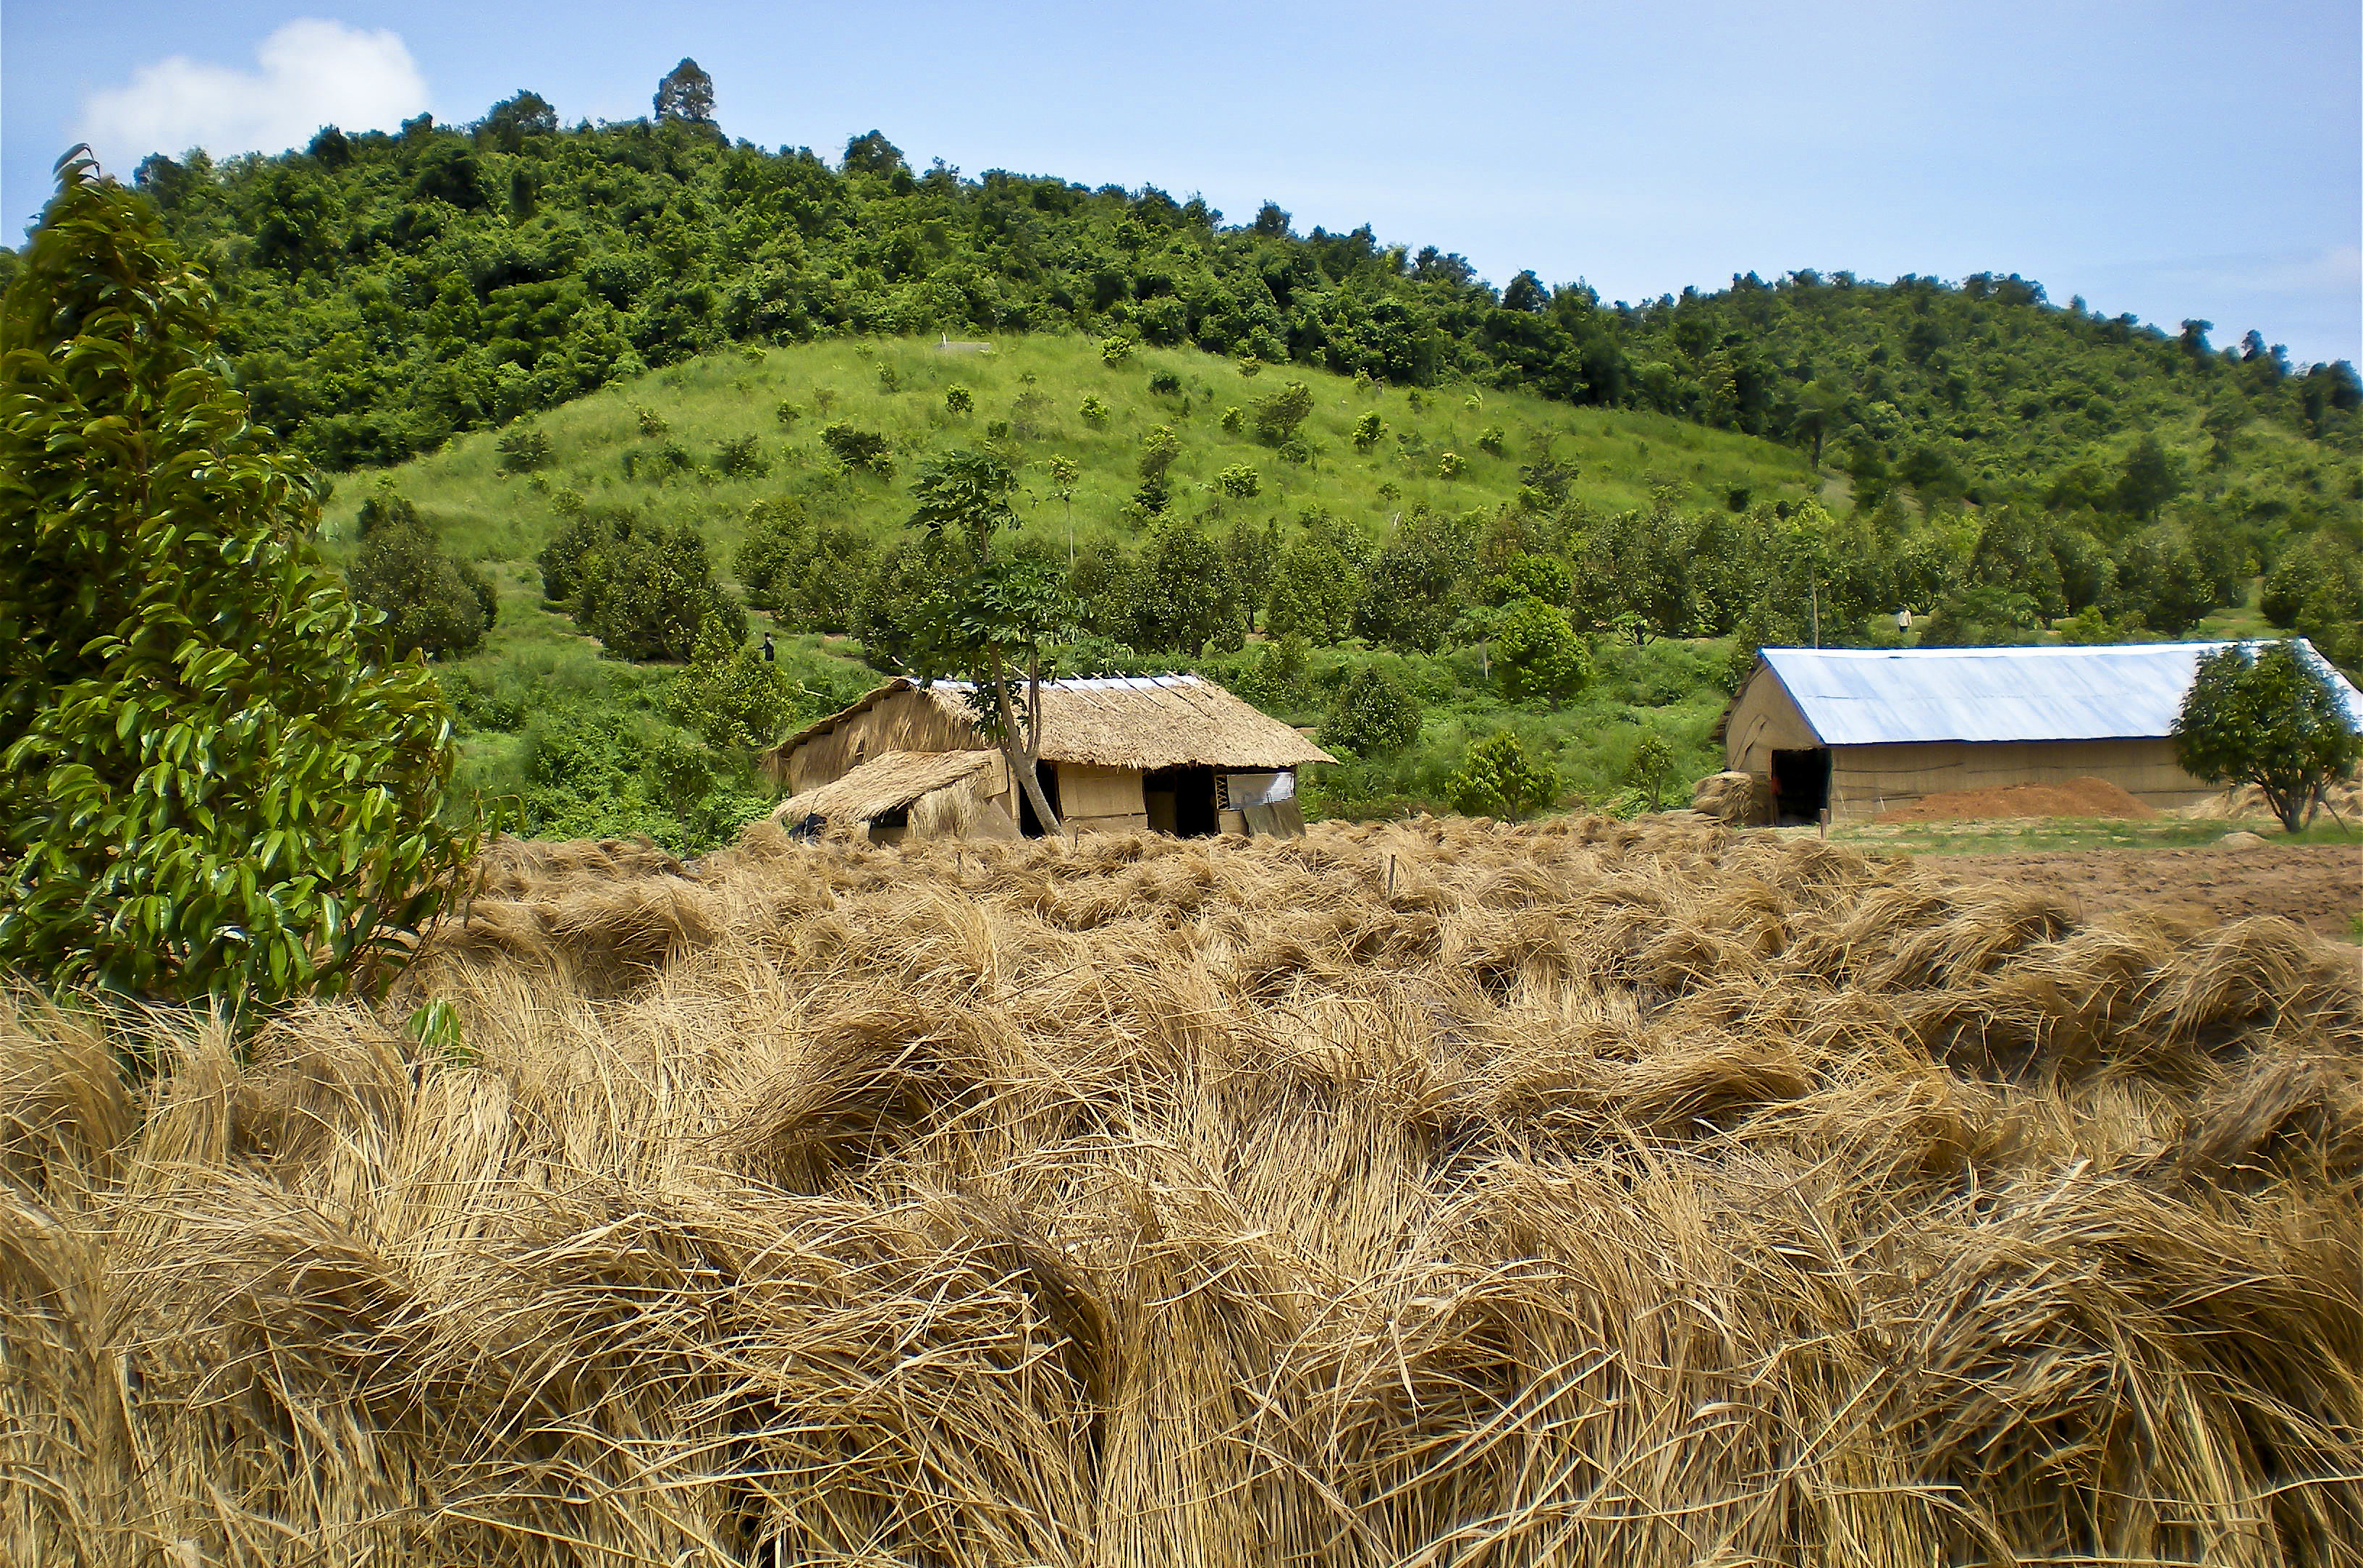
point(2171, 159)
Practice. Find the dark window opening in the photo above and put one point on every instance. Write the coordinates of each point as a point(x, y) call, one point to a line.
point(1028, 822)
point(899, 817)
point(1181, 801)
point(1801, 786)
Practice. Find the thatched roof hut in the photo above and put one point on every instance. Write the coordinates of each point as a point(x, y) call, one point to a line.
point(1175, 753)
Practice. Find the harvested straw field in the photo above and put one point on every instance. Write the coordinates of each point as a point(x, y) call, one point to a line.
point(1435, 1194)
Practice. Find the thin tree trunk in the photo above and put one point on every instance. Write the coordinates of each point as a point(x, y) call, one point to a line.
point(1023, 756)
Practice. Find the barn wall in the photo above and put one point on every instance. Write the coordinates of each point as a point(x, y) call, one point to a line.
point(1868, 780)
point(907, 721)
point(1763, 720)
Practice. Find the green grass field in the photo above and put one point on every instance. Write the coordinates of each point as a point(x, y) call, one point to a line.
point(1037, 387)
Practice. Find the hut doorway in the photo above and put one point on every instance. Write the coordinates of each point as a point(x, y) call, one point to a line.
point(1181, 801)
point(1028, 822)
point(1801, 786)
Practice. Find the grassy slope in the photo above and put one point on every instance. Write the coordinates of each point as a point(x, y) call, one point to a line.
point(493, 515)
point(503, 519)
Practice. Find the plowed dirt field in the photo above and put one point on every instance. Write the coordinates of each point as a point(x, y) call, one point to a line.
point(2320, 886)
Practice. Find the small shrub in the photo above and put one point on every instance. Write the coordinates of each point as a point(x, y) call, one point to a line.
point(741, 457)
point(1278, 415)
point(1094, 412)
point(1499, 779)
point(787, 414)
point(889, 378)
point(824, 398)
point(1295, 449)
point(652, 423)
point(1651, 768)
point(1234, 420)
point(1250, 366)
point(568, 503)
point(1238, 482)
point(1164, 384)
point(959, 400)
point(1116, 347)
point(1159, 447)
point(1490, 440)
point(1369, 430)
point(1450, 466)
point(859, 450)
point(523, 447)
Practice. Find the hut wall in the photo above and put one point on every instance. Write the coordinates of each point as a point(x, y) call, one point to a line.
point(972, 808)
point(1868, 780)
point(1763, 720)
point(1102, 799)
point(907, 721)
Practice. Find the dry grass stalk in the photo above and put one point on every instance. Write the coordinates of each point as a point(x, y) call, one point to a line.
point(1432, 1193)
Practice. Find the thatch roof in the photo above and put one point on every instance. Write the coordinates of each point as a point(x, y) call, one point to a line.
point(1127, 721)
point(887, 783)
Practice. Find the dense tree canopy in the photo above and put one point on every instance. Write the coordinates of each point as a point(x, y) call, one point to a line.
point(388, 290)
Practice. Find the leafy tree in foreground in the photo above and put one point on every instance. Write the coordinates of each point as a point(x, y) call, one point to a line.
point(2267, 717)
point(1542, 658)
point(1498, 779)
point(216, 794)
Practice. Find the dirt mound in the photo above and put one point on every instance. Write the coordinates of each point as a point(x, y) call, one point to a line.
point(2078, 797)
point(1583, 1193)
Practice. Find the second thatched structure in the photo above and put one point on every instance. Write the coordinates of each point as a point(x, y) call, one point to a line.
point(1163, 753)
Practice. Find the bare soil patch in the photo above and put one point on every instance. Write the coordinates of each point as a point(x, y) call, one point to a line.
point(2078, 797)
point(2320, 886)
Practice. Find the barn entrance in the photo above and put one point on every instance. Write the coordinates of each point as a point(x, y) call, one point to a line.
point(1181, 801)
point(1028, 822)
point(1801, 786)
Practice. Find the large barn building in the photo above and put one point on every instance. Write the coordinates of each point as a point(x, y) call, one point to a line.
point(1168, 754)
point(1861, 731)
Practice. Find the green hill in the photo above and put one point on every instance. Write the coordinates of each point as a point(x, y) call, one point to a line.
point(386, 291)
point(581, 743)
point(1034, 389)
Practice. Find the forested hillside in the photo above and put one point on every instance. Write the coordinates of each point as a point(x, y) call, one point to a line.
point(389, 289)
point(1402, 503)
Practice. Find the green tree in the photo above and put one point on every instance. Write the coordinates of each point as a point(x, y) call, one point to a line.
point(1278, 415)
point(431, 603)
point(1187, 598)
point(2151, 478)
point(1538, 654)
point(218, 794)
point(1499, 779)
point(1251, 555)
point(1651, 768)
point(686, 94)
point(730, 696)
point(995, 614)
point(1315, 585)
point(2267, 716)
point(646, 594)
point(1374, 714)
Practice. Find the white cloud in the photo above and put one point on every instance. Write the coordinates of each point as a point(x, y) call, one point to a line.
point(311, 73)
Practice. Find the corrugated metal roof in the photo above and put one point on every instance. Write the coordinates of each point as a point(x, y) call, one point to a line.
point(1865, 696)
